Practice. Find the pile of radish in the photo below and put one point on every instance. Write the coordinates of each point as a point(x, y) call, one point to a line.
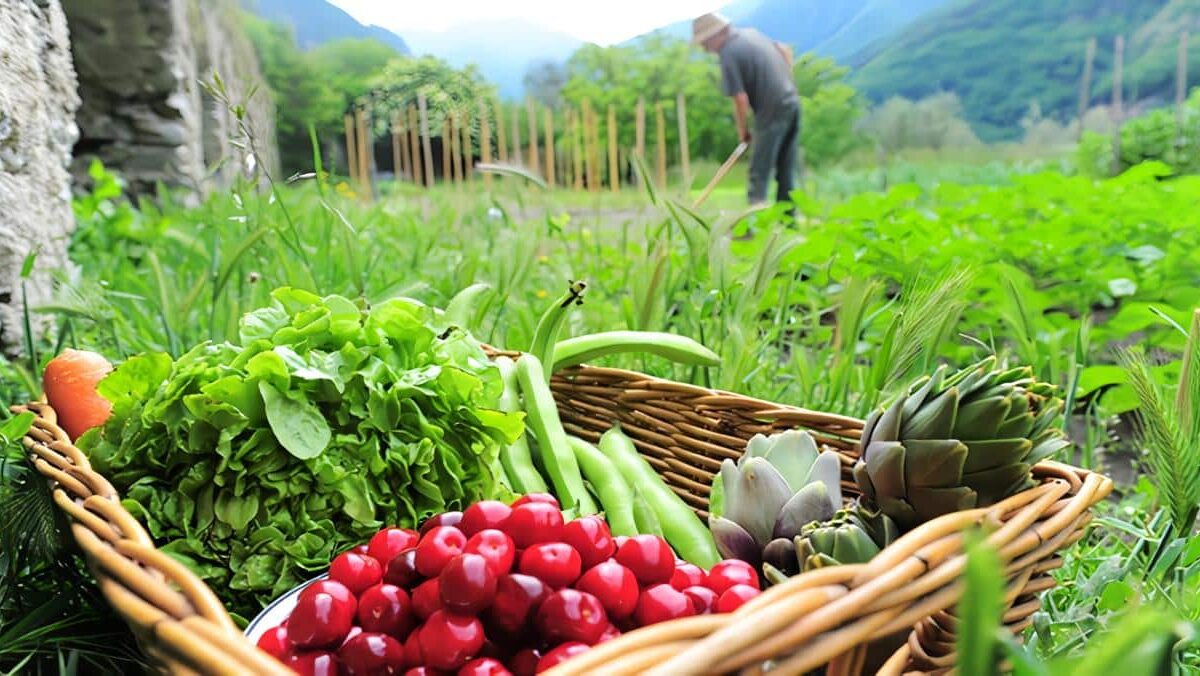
point(495, 589)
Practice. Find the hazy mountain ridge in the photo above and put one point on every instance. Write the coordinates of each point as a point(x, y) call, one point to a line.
point(316, 22)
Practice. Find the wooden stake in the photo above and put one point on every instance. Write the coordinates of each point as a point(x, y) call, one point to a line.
point(531, 118)
point(1118, 74)
point(614, 177)
point(1181, 77)
point(455, 152)
point(468, 149)
point(485, 142)
point(364, 154)
point(577, 150)
point(351, 150)
point(639, 148)
point(446, 170)
point(1085, 85)
point(684, 158)
point(549, 130)
point(589, 149)
point(414, 146)
point(516, 137)
point(501, 133)
point(425, 142)
point(660, 123)
point(399, 149)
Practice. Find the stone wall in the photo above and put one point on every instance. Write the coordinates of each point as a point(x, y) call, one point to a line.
point(145, 113)
point(37, 130)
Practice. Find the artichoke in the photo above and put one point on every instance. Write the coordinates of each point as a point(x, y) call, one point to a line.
point(957, 441)
point(761, 503)
point(853, 535)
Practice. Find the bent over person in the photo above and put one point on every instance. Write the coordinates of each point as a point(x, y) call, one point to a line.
point(756, 72)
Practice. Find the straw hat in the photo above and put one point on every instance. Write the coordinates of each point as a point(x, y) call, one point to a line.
point(707, 26)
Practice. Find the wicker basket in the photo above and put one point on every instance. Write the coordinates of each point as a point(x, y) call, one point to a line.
point(893, 615)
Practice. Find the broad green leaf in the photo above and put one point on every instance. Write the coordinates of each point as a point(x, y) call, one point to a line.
point(296, 422)
point(979, 610)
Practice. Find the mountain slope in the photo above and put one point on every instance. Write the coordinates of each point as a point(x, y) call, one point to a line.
point(1001, 55)
point(837, 29)
point(502, 48)
point(317, 22)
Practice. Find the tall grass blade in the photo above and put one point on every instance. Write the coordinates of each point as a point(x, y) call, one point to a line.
point(979, 609)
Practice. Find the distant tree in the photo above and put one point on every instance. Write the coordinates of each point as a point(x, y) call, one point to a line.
point(934, 122)
point(544, 83)
point(829, 109)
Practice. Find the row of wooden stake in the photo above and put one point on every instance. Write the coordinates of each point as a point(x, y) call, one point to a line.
point(412, 156)
point(1117, 112)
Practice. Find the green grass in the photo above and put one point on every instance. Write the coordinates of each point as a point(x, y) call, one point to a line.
point(1042, 268)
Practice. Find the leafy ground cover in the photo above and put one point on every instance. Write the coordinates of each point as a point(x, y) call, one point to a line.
point(831, 312)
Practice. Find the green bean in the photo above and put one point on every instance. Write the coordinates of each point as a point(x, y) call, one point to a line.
point(643, 514)
point(682, 528)
point(615, 496)
point(682, 349)
point(553, 447)
point(545, 336)
point(516, 458)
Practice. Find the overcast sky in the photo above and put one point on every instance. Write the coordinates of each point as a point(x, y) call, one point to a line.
point(604, 22)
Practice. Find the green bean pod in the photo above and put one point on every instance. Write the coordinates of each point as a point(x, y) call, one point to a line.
point(516, 458)
point(644, 516)
point(557, 457)
point(545, 335)
point(681, 349)
point(681, 527)
point(615, 496)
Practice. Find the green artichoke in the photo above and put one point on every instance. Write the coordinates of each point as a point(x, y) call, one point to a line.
point(853, 535)
point(957, 441)
point(761, 502)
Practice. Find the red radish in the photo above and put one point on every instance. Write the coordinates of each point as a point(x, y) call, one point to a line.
point(334, 588)
point(725, 574)
point(733, 598)
point(275, 643)
point(517, 597)
point(660, 603)
point(536, 497)
point(422, 671)
point(496, 547)
point(484, 666)
point(443, 519)
point(590, 537)
point(412, 648)
point(483, 515)
point(354, 631)
point(356, 571)
point(387, 543)
point(610, 633)
point(525, 662)
point(387, 609)
point(571, 615)
point(402, 570)
point(555, 563)
point(437, 547)
point(316, 663)
point(561, 654)
point(532, 523)
point(449, 641)
point(620, 540)
point(372, 653)
point(649, 557)
point(70, 381)
point(319, 621)
point(687, 575)
point(467, 584)
point(704, 600)
point(615, 586)
point(427, 598)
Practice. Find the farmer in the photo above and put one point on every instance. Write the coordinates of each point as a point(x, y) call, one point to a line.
point(756, 72)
